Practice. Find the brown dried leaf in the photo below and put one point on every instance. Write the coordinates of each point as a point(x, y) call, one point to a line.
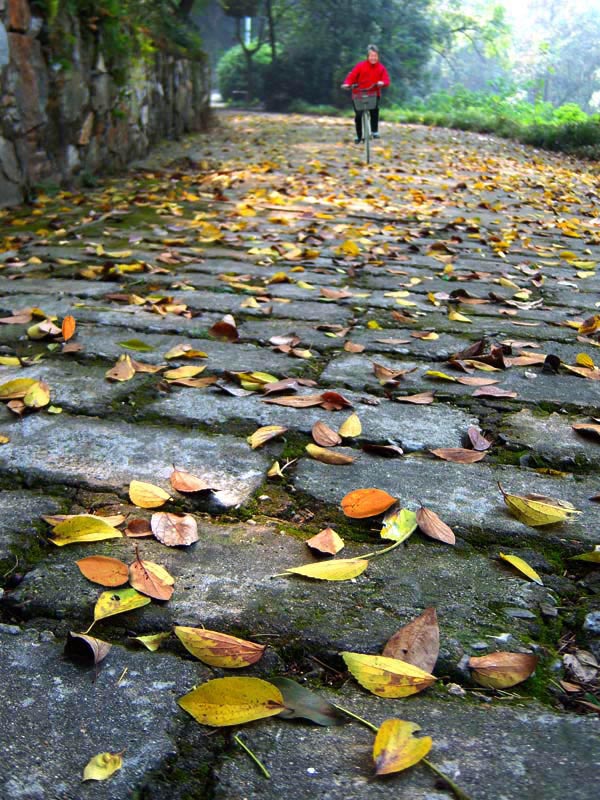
point(493, 391)
point(385, 450)
point(85, 649)
point(225, 329)
point(418, 642)
point(184, 481)
point(478, 441)
point(459, 455)
point(137, 528)
point(353, 347)
point(431, 525)
point(295, 401)
point(386, 375)
point(327, 541)
point(324, 435)
point(420, 399)
point(151, 579)
point(587, 428)
point(104, 570)
point(123, 370)
point(334, 401)
point(173, 530)
point(502, 670)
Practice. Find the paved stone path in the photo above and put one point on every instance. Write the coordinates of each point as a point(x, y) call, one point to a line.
point(276, 221)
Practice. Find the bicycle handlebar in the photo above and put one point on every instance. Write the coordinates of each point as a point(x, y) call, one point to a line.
point(354, 86)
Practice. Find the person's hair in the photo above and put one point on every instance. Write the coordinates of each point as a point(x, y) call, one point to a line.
point(372, 48)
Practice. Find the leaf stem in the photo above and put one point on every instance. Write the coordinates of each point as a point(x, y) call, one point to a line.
point(254, 757)
point(457, 791)
point(376, 553)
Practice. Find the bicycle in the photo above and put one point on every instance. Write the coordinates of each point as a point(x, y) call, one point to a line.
point(365, 100)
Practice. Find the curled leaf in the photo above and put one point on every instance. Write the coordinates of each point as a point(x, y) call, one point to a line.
point(327, 541)
point(152, 641)
point(399, 525)
point(265, 434)
point(351, 427)
point(301, 702)
point(232, 701)
point(102, 766)
point(395, 747)
point(219, 649)
point(362, 503)
point(174, 530)
point(327, 456)
point(86, 649)
point(184, 481)
point(502, 670)
point(536, 510)
point(324, 435)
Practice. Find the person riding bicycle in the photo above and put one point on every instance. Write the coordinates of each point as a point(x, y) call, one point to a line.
point(370, 75)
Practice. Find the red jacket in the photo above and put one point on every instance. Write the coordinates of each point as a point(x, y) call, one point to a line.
point(366, 74)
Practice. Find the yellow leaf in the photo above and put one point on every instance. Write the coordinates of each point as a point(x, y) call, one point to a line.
point(584, 360)
point(123, 370)
point(232, 701)
point(9, 361)
point(83, 528)
point(502, 670)
point(219, 649)
point(327, 456)
point(263, 435)
point(340, 569)
point(351, 427)
point(147, 495)
point(183, 372)
point(387, 677)
point(153, 641)
point(455, 316)
point(348, 248)
point(184, 351)
point(275, 471)
point(304, 285)
point(535, 511)
point(102, 766)
point(118, 601)
point(373, 325)
point(399, 526)
point(16, 389)
point(523, 567)
point(4, 439)
point(255, 381)
point(38, 395)
point(432, 373)
point(396, 749)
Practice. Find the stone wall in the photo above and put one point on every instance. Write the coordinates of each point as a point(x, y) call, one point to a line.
point(64, 118)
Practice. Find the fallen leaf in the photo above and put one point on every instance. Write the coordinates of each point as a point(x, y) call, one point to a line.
point(458, 454)
point(395, 749)
point(123, 370)
point(339, 569)
point(399, 525)
point(587, 427)
point(502, 670)
point(295, 401)
point(302, 703)
point(494, 391)
point(86, 649)
point(523, 567)
point(102, 766)
point(147, 495)
point(334, 401)
point(387, 677)
point(265, 434)
point(351, 427)
point(225, 329)
point(232, 701)
point(138, 527)
point(327, 456)
point(386, 375)
point(385, 450)
point(353, 347)
point(327, 541)
point(184, 350)
point(593, 556)
point(535, 510)
point(183, 372)
point(68, 327)
point(431, 525)
point(38, 395)
point(118, 601)
point(174, 530)
point(362, 503)
point(151, 579)
point(478, 441)
point(418, 642)
point(83, 528)
point(184, 481)
point(16, 389)
point(153, 641)
point(104, 570)
point(419, 399)
point(138, 345)
point(219, 649)
point(324, 435)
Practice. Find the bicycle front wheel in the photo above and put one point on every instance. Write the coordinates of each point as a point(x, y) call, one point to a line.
point(367, 134)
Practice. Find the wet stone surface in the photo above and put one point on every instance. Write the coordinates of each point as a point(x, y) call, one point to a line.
point(362, 273)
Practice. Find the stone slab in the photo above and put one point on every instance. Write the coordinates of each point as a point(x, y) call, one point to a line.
point(231, 581)
point(466, 497)
point(107, 455)
point(429, 426)
point(20, 513)
point(54, 709)
point(553, 439)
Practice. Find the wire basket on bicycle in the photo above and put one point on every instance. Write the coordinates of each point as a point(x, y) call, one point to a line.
point(364, 99)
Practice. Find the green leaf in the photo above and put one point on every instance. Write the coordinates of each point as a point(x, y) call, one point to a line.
point(138, 345)
point(399, 526)
point(302, 702)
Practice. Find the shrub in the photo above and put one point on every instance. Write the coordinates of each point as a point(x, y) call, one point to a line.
point(232, 76)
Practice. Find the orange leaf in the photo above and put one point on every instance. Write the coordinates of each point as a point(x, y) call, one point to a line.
point(184, 481)
point(68, 327)
point(363, 503)
point(420, 399)
point(324, 435)
point(502, 670)
point(151, 579)
point(104, 570)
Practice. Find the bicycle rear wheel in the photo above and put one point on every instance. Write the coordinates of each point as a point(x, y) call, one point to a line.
point(366, 127)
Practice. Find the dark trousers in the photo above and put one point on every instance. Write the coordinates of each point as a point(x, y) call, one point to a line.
point(374, 112)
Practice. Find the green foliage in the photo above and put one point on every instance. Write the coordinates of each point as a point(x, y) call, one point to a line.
point(564, 129)
point(232, 76)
